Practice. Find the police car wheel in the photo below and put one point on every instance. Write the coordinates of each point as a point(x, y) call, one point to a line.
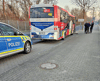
point(27, 48)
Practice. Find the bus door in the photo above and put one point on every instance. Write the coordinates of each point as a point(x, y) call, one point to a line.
point(60, 32)
point(70, 27)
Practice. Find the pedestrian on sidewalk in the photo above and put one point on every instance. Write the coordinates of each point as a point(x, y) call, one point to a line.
point(91, 28)
point(87, 25)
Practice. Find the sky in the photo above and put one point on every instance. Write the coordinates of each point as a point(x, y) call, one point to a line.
point(63, 3)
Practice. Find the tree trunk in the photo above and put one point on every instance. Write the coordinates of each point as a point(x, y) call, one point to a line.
point(83, 18)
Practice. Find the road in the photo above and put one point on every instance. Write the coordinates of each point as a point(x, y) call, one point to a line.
point(77, 59)
point(77, 28)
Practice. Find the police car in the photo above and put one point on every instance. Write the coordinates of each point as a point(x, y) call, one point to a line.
point(13, 41)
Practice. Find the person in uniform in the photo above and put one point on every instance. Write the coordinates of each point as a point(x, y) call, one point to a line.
point(87, 25)
point(91, 28)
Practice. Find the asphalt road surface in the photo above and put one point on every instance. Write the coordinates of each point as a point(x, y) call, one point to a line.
point(77, 28)
point(77, 59)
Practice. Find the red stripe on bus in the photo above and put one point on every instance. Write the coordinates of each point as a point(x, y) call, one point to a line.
point(60, 38)
point(29, 12)
point(67, 32)
point(55, 16)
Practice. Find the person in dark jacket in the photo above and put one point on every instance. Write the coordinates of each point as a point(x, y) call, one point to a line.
point(91, 28)
point(87, 25)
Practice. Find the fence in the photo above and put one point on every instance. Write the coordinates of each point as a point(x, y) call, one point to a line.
point(24, 25)
point(78, 27)
point(20, 25)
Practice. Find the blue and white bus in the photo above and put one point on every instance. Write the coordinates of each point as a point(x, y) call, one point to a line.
point(49, 21)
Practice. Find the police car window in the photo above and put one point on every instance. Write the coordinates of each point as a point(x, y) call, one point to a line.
point(6, 30)
point(16, 32)
point(0, 32)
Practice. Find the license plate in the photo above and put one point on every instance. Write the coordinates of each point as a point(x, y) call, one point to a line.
point(42, 33)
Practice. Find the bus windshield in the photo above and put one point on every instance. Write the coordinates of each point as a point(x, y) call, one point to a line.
point(42, 12)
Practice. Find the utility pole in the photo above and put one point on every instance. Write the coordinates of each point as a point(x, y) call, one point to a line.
point(83, 9)
point(3, 7)
point(83, 14)
point(93, 11)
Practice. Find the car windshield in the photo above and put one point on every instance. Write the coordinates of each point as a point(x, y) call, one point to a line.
point(42, 12)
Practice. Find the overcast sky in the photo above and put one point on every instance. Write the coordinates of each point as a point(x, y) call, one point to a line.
point(63, 3)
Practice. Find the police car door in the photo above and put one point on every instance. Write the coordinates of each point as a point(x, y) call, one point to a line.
point(14, 42)
point(3, 46)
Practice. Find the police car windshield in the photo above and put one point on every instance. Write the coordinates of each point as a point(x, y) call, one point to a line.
point(42, 12)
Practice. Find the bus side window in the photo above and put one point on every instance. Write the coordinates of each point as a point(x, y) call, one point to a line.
point(61, 17)
point(67, 26)
point(64, 14)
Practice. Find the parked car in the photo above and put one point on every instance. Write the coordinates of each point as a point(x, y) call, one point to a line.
point(13, 41)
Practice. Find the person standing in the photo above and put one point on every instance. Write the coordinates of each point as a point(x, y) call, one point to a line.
point(91, 28)
point(87, 25)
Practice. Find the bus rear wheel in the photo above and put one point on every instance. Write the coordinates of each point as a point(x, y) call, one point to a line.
point(64, 36)
point(71, 32)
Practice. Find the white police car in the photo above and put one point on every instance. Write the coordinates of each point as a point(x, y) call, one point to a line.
point(13, 41)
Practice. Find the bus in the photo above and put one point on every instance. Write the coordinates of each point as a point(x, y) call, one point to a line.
point(50, 22)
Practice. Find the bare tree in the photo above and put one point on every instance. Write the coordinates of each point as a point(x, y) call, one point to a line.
point(13, 8)
point(24, 5)
point(77, 12)
point(84, 4)
point(50, 1)
point(16, 7)
point(38, 1)
point(46, 1)
point(67, 8)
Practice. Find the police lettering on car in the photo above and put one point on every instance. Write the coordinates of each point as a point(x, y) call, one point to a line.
point(14, 44)
point(13, 41)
